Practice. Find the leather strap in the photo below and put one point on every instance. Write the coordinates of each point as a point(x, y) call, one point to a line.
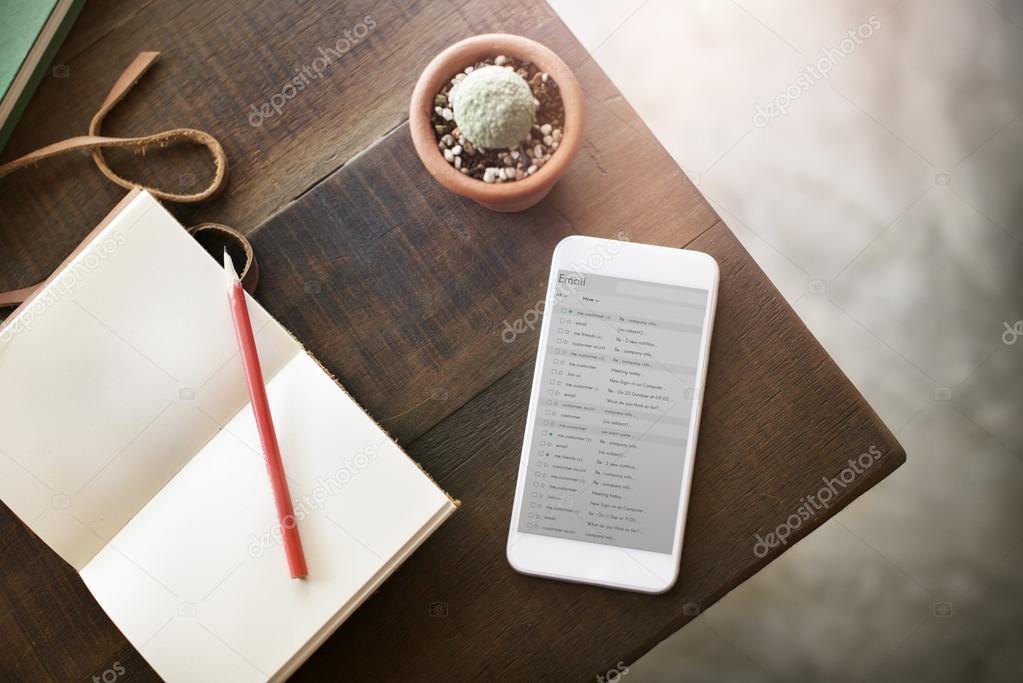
point(96, 143)
point(16, 296)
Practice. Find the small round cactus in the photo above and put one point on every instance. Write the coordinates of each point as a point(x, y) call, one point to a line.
point(494, 107)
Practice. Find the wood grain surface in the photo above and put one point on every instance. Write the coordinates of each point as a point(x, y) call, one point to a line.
point(404, 291)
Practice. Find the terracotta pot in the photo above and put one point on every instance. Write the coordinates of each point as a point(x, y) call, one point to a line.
point(510, 196)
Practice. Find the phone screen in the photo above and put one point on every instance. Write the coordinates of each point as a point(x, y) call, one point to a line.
point(617, 394)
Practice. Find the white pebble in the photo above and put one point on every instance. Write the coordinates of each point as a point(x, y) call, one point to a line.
point(448, 156)
point(447, 140)
point(456, 150)
point(556, 134)
point(458, 162)
point(537, 152)
point(546, 129)
point(547, 140)
point(489, 175)
point(501, 60)
point(447, 114)
point(531, 170)
point(515, 154)
point(554, 145)
point(519, 174)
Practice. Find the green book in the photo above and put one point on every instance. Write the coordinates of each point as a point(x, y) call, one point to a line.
point(31, 31)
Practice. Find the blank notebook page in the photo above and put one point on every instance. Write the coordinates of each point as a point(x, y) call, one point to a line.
point(129, 446)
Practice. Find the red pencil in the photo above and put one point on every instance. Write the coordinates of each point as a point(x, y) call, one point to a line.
point(261, 409)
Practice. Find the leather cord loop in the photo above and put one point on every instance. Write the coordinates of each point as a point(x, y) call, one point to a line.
point(96, 143)
point(216, 237)
point(124, 84)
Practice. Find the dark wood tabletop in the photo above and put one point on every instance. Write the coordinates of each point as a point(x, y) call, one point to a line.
point(403, 291)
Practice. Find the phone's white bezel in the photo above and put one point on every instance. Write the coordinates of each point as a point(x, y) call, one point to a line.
point(606, 565)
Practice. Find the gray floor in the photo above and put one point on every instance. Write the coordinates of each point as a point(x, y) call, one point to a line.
point(886, 203)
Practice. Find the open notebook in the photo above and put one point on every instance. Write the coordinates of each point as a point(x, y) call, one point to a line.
point(128, 445)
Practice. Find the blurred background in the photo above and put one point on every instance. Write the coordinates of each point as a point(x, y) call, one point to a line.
point(869, 155)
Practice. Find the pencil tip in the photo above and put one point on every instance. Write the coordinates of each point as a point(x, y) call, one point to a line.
point(230, 274)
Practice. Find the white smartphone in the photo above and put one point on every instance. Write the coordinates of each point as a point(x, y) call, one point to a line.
point(607, 458)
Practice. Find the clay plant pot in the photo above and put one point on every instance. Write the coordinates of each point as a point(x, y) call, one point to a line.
point(510, 196)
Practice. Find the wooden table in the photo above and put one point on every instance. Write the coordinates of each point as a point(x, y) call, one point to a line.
point(403, 291)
